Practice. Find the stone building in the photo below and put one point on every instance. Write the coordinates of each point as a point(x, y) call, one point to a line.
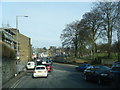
point(9, 37)
point(25, 48)
point(19, 42)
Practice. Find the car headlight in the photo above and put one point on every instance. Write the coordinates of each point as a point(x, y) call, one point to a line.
point(103, 74)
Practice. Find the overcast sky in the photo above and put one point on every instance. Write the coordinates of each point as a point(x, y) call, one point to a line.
point(46, 19)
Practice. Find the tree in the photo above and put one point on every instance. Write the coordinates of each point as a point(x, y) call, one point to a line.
point(83, 37)
point(92, 23)
point(118, 28)
point(69, 36)
point(109, 17)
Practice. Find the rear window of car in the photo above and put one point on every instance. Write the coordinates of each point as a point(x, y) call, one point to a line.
point(40, 68)
point(47, 65)
point(28, 63)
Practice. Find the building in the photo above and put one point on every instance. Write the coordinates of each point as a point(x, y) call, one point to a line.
point(22, 45)
point(25, 48)
point(8, 35)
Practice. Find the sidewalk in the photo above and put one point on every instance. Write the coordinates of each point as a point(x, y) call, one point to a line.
point(0, 77)
point(13, 80)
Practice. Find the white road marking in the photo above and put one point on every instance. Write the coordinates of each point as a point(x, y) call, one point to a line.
point(17, 83)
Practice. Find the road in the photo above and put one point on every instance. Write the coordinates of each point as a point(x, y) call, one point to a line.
point(62, 76)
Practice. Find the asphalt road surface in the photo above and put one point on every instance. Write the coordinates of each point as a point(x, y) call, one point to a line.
point(62, 76)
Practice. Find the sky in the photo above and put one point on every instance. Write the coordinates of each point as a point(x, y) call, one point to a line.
point(45, 20)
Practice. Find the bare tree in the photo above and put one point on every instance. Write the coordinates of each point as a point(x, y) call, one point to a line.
point(69, 36)
point(93, 23)
point(109, 17)
point(118, 29)
point(84, 39)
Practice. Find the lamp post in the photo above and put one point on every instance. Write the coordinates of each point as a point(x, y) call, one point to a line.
point(18, 32)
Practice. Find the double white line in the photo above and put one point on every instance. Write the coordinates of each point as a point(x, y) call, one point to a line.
point(17, 82)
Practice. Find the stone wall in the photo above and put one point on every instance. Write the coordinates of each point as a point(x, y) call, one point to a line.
point(108, 61)
point(8, 62)
point(8, 69)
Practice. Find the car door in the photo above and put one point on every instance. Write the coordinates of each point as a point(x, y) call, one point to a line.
point(89, 71)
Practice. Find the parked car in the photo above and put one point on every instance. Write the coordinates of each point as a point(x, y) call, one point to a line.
point(30, 65)
point(40, 71)
point(82, 67)
point(98, 73)
point(115, 73)
point(115, 69)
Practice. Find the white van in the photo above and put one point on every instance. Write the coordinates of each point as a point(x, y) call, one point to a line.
point(31, 65)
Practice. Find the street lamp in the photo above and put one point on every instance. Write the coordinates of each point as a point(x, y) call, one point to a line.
point(18, 32)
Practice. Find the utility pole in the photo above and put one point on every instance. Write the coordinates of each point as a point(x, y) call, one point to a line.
point(17, 34)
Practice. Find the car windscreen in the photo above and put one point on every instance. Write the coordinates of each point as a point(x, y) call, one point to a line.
point(102, 67)
point(116, 65)
point(40, 68)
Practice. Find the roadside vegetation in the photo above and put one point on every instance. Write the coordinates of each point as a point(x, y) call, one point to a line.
point(95, 37)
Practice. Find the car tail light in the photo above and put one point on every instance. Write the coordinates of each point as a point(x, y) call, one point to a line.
point(48, 67)
point(34, 71)
point(45, 71)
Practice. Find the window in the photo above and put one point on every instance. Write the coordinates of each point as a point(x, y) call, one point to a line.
point(90, 67)
point(38, 68)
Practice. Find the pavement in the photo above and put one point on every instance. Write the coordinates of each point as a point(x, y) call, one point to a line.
point(0, 77)
point(14, 79)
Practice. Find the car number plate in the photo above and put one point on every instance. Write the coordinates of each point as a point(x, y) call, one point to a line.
point(39, 72)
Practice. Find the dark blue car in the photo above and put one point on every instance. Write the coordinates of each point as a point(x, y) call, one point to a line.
point(82, 67)
point(115, 73)
point(115, 69)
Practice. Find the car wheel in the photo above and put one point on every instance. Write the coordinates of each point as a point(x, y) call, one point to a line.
point(33, 76)
point(99, 81)
point(85, 77)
